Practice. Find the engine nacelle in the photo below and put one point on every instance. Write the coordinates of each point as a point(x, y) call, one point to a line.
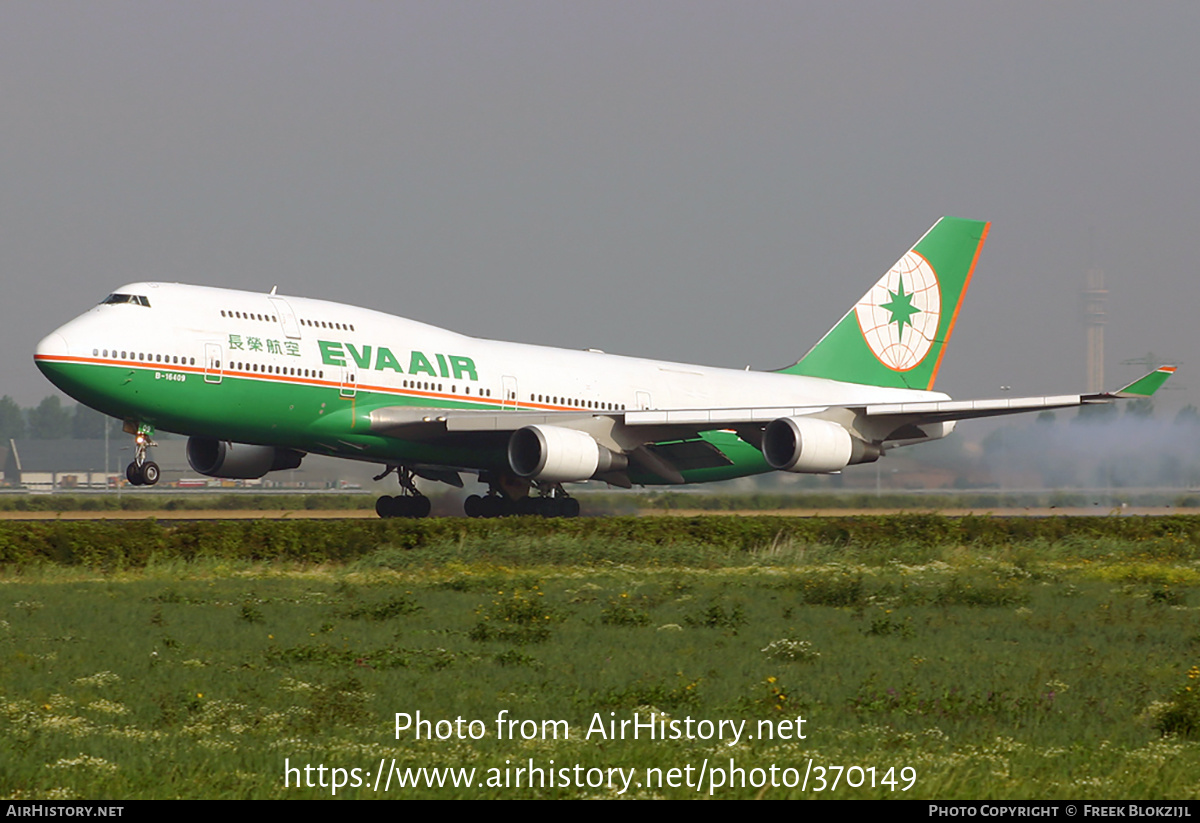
point(557, 455)
point(220, 458)
point(809, 445)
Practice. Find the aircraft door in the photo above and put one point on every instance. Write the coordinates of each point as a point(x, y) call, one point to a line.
point(642, 399)
point(349, 381)
point(212, 363)
point(287, 317)
point(509, 389)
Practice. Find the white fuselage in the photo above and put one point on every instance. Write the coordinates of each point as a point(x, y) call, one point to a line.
point(330, 344)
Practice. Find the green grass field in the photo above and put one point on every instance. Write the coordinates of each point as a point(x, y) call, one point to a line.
point(1048, 663)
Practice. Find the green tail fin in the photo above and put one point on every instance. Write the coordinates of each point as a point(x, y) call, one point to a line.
point(896, 335)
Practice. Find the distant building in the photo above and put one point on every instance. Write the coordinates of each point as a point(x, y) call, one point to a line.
point(53, 465)
point(63, 465)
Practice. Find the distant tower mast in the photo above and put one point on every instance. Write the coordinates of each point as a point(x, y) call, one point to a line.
point(1094, 318)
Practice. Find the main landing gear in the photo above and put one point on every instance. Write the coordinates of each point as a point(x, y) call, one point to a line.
point(142, 472)
point(509, 496)
point(411, 503)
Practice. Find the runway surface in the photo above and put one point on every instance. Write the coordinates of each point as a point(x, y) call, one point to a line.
point(366, 514)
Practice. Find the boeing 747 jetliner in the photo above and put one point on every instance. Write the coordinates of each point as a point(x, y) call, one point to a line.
point(258, 381)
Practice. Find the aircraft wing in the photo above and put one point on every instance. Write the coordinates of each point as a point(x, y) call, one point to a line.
point(946, 410)
point(414, 421)
point(664, 441)
point(409, 421)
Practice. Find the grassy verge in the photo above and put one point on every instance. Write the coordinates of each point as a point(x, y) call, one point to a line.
point(688, 541)
point(958, 664)
point(620, 503)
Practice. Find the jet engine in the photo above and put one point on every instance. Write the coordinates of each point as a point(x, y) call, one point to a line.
point(221, 458)
point(813, 446)
point(557, 455)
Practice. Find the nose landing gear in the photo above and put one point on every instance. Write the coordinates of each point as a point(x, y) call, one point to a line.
point(142, 472)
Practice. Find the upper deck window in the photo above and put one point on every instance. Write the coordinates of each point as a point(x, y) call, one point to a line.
point(136, 299)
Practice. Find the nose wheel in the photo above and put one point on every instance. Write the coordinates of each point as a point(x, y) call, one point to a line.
point(146, 474)
point(142, 472)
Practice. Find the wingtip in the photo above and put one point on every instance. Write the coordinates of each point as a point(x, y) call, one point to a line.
point(1146, 386)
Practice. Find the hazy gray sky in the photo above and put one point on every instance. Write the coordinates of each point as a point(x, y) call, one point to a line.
point(697, 181)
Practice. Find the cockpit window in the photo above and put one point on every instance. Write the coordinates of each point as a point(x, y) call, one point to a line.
point(136, 299)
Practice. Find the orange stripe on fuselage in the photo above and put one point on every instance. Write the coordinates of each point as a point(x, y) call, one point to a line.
point(307, 381)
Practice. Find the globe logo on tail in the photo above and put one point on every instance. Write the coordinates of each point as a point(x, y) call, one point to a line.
point(899, 315)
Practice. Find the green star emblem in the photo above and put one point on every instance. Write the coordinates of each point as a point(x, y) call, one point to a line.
point(901, 308)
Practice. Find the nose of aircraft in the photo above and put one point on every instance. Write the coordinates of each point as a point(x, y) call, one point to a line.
point(50, 346)
point(51, 351)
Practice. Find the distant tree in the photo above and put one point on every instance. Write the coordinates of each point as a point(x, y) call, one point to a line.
point(49, 421)
point(1141, 407)
point(87, 424)
point(12, 420)
point(1096, 413)
point(1189, 415)
point(998, 440)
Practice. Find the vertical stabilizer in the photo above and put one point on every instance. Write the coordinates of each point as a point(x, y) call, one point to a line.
point(897, 333)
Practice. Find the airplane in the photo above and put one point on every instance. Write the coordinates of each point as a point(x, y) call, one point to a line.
point(258, 381)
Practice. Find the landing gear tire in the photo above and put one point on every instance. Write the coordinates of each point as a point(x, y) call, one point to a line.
point(141, 472)
point(410, 504)
point(492, 506)
point(416, 507)
point(558, 507)
point(150, 473)
point(495, 505)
